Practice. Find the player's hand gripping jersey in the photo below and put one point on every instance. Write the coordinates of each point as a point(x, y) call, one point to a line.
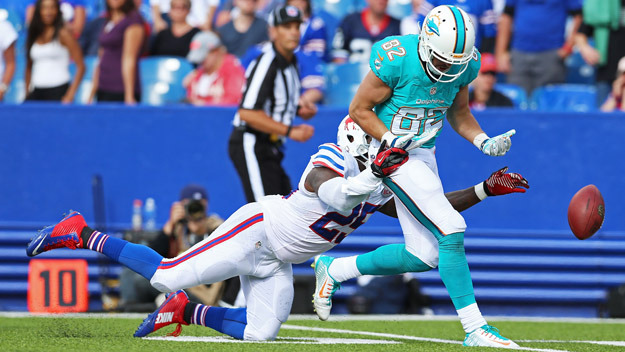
point(417, 104)
point(300, 225)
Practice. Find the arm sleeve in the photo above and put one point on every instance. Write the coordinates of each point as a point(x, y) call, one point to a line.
point(344, 194)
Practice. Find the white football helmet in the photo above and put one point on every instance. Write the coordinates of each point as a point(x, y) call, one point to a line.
point(447, 34)
point(352, 138)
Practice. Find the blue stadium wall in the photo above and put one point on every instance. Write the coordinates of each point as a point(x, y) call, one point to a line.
point(49, 154)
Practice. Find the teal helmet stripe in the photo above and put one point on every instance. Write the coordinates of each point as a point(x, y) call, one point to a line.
point(460, 30)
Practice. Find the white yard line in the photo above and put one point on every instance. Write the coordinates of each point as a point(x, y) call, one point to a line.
point(606, 343)
point(280, 340)
point(401, 337)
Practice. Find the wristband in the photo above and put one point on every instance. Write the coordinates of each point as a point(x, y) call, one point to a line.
point(288, 131)
point(479, 140)
point(479, 191)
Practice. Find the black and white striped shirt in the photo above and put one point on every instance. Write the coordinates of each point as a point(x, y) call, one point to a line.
point(273, 86)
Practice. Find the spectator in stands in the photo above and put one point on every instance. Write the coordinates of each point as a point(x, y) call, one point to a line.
point(116, 78)
point(313, 30)
point(90, 37)
point(189, 222)
point(176, 38)
point(229, 10)
point(49, 47)
point(410, 24)
point(219, 78)
point(604, 21)
point(7, 56)
point(483, 94)
point(538, 46)
point(245, 30)
point(482, 15)
point(200, 15)
point(73, 11)
point(617, 96)
point(358, 31)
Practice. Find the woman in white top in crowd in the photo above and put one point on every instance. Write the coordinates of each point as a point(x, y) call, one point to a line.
point(50, 46)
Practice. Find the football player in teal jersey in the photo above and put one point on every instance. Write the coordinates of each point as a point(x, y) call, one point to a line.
point(414, 84)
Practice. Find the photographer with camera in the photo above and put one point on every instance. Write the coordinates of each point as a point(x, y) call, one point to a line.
point(188, 224)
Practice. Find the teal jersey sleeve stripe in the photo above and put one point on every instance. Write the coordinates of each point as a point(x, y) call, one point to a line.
point(413, 208)
point(460, 30)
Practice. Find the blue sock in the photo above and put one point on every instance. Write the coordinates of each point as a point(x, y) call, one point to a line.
point(230, 321)
point(454, 270)
point(390, 259)
point(140, 259)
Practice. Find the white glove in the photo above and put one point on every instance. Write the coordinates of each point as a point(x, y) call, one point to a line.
point(408, 141)
point(495, 146)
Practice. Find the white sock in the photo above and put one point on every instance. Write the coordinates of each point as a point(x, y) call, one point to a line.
point(343, 269)
point(471, 317)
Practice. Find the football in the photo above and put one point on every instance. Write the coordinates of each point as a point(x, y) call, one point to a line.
point(586, 212)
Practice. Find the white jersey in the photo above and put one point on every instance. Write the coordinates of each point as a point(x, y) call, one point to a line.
point(300, 226)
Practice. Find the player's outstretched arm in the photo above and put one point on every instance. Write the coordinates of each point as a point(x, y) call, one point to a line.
point(371, 92)
point(499, 183)
point(344, 194)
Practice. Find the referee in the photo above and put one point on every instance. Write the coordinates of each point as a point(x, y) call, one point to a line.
point(265, 116)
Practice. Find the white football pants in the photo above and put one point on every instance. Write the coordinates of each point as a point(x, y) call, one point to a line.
point(239, 247)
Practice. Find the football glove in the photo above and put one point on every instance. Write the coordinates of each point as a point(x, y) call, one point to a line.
point(500, 182)
point(495, 146)
point(387, 160)
point(408, 141)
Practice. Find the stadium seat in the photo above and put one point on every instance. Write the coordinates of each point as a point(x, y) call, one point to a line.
point(515, 93)
point(342, 82)
point(578, 71)
point(565, 97)
point(161, 79)
point(399, 8)
point(84, 89)
point(337, 8)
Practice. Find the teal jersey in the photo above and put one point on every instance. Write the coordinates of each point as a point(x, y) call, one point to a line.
point(417, 104)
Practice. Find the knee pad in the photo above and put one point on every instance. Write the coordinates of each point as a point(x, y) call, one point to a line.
point(160, 283)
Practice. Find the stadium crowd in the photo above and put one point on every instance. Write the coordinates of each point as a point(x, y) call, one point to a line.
point(566, 50)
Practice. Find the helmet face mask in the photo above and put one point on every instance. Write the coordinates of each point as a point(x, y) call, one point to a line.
point(447, 35)
point(353, 139)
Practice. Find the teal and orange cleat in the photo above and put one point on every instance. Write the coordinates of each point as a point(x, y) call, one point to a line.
point(170, 312)
point(488, 336)
point(64, 234)
point(325, 286)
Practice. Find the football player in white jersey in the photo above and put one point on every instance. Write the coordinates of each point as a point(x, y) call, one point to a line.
point(337, 192)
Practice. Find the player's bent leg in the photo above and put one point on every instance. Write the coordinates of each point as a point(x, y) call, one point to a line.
point(269, 303)
point(391, 259)
point(228, 252)
point(72, 232)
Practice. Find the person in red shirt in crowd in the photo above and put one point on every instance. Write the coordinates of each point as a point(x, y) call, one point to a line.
point(219, 77)
point(484, 94)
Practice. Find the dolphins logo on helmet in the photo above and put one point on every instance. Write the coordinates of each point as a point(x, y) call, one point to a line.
point(448, 34)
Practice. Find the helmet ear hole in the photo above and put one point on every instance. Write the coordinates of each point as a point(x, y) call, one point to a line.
point(350, 138)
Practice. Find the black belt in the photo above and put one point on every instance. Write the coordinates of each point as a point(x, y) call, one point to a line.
point(271, 138)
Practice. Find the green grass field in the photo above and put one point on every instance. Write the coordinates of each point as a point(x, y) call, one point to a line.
point(114, 333)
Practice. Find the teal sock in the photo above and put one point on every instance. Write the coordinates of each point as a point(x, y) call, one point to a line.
point(454, 270)
point(390, 259)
